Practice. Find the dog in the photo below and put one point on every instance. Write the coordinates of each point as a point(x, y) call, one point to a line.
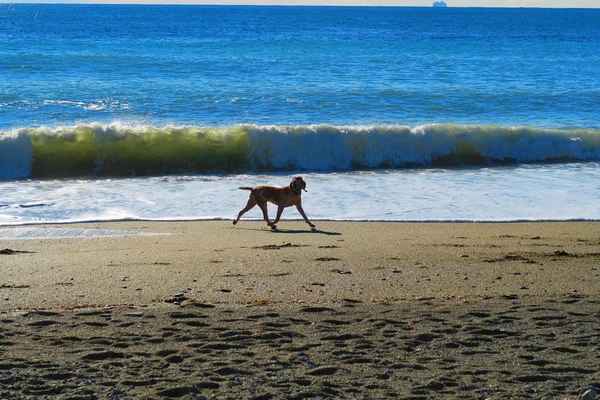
point(282, 197)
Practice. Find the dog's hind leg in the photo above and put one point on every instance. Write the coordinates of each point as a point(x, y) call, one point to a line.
point(251, 203)
point(279, 212)
point(263, 207)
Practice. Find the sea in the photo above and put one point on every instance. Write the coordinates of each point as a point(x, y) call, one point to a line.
point(160, 112)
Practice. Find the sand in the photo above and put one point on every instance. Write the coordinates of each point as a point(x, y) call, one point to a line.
point(350, 310)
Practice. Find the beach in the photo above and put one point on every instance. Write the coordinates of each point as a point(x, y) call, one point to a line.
point(350, 310)
point(452, 163)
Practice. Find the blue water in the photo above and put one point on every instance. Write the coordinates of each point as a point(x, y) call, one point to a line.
point(397, 100)
point(218, 66)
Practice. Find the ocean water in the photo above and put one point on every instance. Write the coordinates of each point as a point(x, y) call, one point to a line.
point(390, 113)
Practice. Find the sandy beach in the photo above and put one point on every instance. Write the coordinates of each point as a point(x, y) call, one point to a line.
point(351, 310)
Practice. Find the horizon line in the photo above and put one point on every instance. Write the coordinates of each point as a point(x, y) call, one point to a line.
point(199, 3)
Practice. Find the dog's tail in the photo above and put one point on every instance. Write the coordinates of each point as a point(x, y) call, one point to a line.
point(245, 188)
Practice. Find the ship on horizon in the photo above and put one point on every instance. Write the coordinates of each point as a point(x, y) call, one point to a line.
point(440, 3)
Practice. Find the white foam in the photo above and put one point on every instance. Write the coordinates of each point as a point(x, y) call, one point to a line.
point(512, 193)
point(61, 233)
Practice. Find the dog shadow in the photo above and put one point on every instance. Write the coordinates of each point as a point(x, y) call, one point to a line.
point(313, 230)
point(293, 231)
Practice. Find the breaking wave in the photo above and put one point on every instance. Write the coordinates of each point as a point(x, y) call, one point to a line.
point(122, 150)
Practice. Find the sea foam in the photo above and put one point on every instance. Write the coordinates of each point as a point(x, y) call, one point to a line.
point(122, 150)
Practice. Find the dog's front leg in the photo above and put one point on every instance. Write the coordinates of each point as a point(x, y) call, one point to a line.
point(301, 211)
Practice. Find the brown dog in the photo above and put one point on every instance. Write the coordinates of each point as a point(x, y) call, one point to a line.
point(281, 196)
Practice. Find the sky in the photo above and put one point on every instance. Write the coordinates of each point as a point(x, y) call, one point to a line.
point(426, 3)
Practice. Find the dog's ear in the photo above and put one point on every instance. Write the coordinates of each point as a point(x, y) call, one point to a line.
point(303, 184)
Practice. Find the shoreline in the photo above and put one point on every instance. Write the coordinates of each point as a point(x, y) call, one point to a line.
point(293, 220)
point(199, 310)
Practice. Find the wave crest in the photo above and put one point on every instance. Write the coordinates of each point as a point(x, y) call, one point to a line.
point(121, 150)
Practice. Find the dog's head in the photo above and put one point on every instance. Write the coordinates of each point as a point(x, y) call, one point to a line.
point(297, 184)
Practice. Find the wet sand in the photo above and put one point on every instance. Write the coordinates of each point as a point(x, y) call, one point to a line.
point(351, 310)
